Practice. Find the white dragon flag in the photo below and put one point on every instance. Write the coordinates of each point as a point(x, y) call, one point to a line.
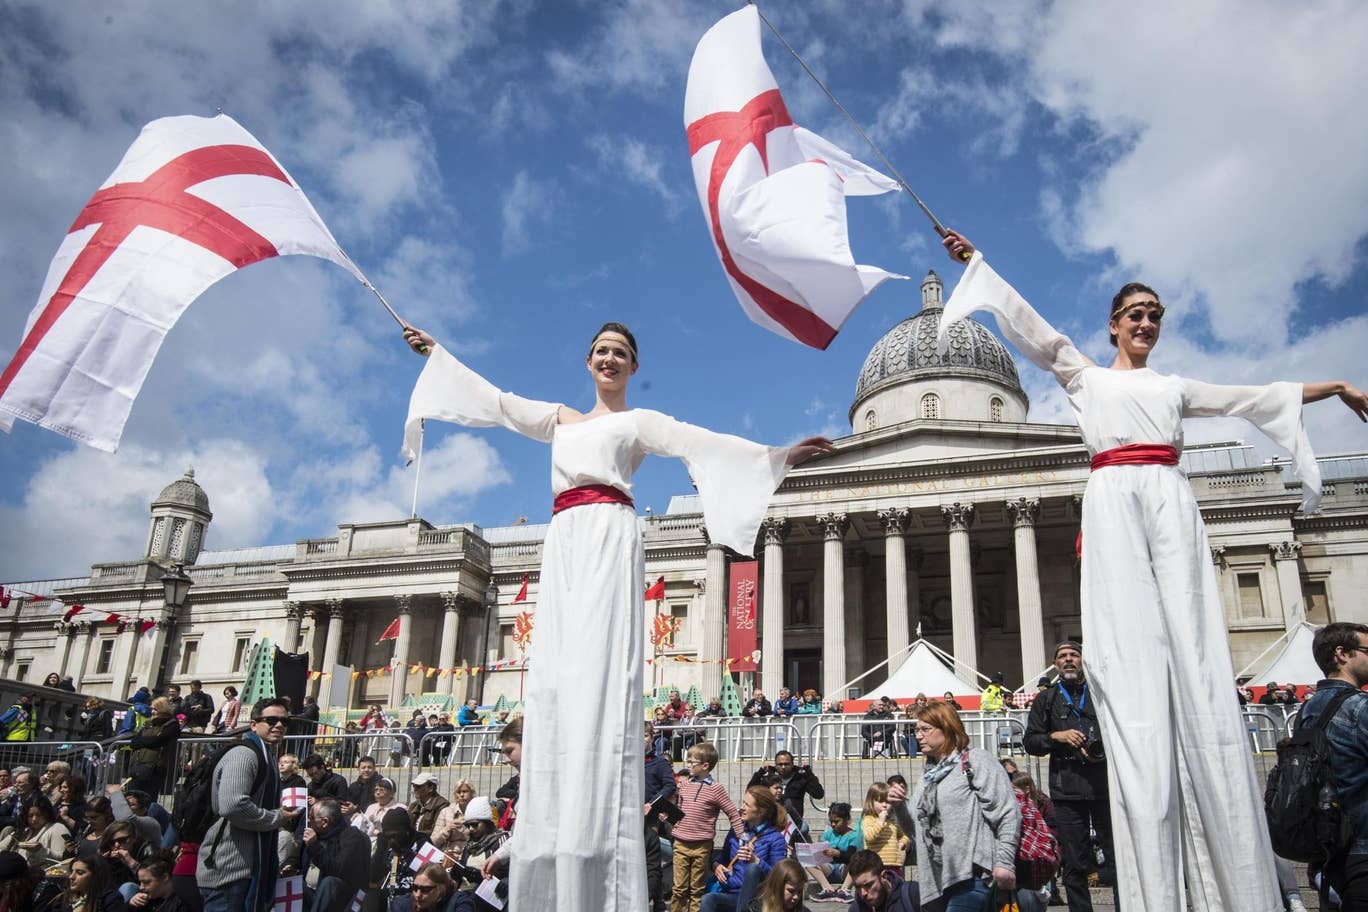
point(772, 192)
point(193, 199)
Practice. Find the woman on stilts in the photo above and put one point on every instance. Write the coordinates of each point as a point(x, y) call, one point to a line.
point(578, 840)
point(1184, 796)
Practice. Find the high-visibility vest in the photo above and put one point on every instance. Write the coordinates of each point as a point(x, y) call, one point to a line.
point(22, 728)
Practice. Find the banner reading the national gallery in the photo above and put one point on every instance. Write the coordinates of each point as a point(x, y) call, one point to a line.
point(743, 617)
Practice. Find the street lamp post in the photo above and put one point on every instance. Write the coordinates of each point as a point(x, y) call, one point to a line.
point(176, 585)
point(491, 606)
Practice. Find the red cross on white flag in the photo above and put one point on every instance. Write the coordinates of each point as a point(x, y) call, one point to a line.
point(428, 854)
point(294, 797)
point(193, 199)
point(773, 193)
point(289, 894)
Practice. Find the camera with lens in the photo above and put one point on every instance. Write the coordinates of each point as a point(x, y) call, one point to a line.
point(1092, 750)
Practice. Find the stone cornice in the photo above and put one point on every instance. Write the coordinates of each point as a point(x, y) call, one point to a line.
point(351, 569)
point(986, 464)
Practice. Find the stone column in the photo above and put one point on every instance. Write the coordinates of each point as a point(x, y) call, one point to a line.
point(86, 631)
point(772, 606)
point(895, 585)
point(1024, 512)
point(293, 617)
point(1285, 555)
point(856, 562)
point(958, 517)
point(68, 633)
point(125, 654)
point(399, 685)
point(834, 527)
point(714, 645)
point(332, 646)
point(451, 635)
point(158, 654)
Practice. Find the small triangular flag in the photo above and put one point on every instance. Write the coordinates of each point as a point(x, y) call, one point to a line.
point(656, 590)
point(72, 612)
point(522, 593)
point(391, 632)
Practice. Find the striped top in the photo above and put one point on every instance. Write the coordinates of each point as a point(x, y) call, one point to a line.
point(701, 803)
point(881, 837)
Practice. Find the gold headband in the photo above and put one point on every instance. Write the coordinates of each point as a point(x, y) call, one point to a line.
point(1123, 307)
point(625, 341)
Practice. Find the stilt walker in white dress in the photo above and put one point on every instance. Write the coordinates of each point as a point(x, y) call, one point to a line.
point(1184, 796)
point(578, 842)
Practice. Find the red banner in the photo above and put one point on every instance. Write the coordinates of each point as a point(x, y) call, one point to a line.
point(743, 618)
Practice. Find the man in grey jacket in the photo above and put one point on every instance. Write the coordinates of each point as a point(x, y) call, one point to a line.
point(237, 866)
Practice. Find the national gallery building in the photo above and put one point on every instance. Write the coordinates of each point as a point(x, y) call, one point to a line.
point(944, 512)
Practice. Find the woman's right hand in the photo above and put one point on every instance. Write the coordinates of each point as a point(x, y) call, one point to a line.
point(418, 340)
point(958, 246)
point(1005, 878)
point(720, 873)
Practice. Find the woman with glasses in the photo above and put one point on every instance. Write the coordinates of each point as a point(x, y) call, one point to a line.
point(964, 818)
point(123, 849)
point(99, 816)
point(433, 891)
point(1183, 785)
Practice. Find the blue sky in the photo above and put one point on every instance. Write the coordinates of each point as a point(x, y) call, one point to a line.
point(512, 174)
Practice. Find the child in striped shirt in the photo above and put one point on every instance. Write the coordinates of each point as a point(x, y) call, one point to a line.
point(882, 835)
point(701, 800)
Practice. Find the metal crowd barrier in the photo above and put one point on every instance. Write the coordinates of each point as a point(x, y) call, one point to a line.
point(471, 745)
point(87, 758)
point(735, 738)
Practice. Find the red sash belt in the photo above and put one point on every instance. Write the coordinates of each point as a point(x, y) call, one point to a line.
point(589, 494)
point(1130, 454)
point(1136, 454)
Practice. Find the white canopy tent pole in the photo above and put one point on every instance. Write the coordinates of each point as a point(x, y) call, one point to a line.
point(1281, 641)
point(935, 650)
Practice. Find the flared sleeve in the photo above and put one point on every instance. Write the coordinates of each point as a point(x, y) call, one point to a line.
point(736, 478)
point(980, 288)
point(450, 391)
point(1275, 409)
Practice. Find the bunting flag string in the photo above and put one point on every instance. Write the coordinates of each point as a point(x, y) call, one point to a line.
point(519, 664)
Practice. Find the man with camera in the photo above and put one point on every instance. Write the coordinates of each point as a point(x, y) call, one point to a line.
point(798, 783)
point(1063, 724)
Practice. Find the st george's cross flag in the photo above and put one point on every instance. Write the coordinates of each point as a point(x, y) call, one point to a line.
point(193, 199)
point(773, 193)
point(428, 854)
point(289, 894)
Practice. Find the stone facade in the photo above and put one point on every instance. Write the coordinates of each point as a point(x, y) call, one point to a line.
point(960, 527)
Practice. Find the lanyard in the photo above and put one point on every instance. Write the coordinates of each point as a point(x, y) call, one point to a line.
point(1082, 699)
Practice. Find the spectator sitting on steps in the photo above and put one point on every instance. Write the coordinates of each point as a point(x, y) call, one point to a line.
point(757, 707)
point(323, 782)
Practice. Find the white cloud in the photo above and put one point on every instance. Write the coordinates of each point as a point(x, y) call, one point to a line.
point(84, 506)
point(640, 46)
point(527, 205)
point(638, 162)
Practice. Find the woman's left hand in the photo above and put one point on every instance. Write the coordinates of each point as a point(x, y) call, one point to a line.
point(1356, 399)
point(745, 854)
point(1005, 878)
point(804, 450)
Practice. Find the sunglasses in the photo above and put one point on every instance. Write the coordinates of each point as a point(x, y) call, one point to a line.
point(272, 720)
point(423, 888)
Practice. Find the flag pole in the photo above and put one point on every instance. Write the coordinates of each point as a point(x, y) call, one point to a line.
point(935, 222)
point(418, 468)
point(403, 324)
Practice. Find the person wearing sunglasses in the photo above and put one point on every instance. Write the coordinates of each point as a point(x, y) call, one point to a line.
point(434, 891)
point(236, 870)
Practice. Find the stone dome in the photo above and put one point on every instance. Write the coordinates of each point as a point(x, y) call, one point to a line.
point(184, 492)
point(908, 353)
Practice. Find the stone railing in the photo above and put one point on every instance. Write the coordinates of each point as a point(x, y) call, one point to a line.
point(312, 546)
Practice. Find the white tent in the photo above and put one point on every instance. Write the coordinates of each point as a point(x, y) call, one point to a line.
point(927, 670)
point(1292, 665)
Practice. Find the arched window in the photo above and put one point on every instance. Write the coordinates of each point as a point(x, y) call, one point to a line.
point(930, 404)
point(995, 409)
point(870, 422)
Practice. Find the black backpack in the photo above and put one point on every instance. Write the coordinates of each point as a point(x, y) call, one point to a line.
point(1306, 820)
point(193, 811)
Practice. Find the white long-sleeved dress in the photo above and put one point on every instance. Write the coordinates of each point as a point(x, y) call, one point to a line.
point(1184, 795)
point(578, 843)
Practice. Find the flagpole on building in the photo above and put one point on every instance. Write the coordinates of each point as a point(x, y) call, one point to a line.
point(935, 222)
point(417, 469)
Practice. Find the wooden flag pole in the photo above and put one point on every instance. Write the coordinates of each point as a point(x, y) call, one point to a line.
point(935, 222)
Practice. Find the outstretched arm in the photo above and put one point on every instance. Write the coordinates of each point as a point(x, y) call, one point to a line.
point(983, 289)
point(1355, 398)
point(450, 391)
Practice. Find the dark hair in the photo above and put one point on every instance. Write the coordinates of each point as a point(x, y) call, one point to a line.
point(16, 891)
point(232, 688)
point(1331, 637)
point(1126, 291)
point(44, 806)
point(99, 804)
point(197, 683)
point(139, 796)
point(614, 327)
point(314, 760)
point(1027, 784)
point(778, 754)
point(897, 779)
point(839, 809)
point(122, 827)
point(864, 862)
point(101, 877)
point(366, 759)
point(76, 788)
point(265, 703)
point(512, 732)
point(160, 863)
